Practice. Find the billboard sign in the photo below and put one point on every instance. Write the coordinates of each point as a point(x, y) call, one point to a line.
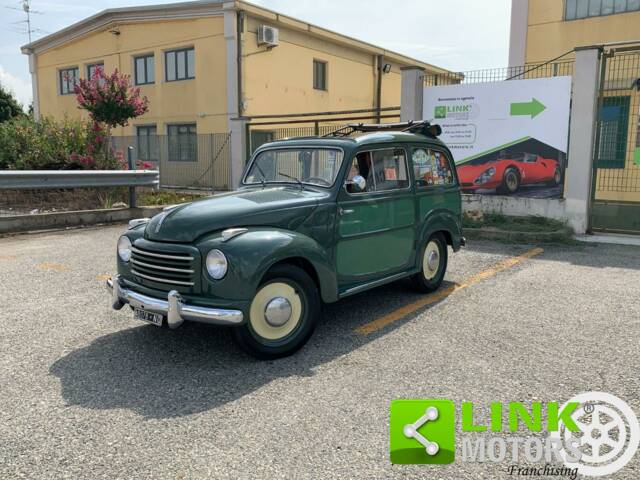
point(506, 137)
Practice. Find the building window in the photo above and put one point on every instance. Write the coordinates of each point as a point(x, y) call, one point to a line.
point(183, 143)
point(145, 70)
point(147, 143)
point(180, 64)
point(319, 75)
point(575, 9)
point(614, 125)
point(68, 79)
point(91, 69)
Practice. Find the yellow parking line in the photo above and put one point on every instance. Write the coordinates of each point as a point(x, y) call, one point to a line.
point(103, 277)
point(439, 295)
point(56, 267)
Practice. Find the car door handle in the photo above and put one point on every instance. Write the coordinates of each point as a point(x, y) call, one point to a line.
point(342, 211)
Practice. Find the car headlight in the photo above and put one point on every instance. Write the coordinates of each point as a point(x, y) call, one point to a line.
point(216, 264)
point(124, 248)
point(486, 175)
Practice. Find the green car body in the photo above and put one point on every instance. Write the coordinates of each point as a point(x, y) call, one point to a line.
point(345, 242)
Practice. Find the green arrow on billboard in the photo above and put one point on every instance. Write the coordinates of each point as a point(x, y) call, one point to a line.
point(533, 108)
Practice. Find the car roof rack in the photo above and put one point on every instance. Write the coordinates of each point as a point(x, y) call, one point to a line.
point(423, 127)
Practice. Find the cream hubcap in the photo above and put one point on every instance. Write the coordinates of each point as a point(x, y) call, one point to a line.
point(431, 260)
point(275, 311)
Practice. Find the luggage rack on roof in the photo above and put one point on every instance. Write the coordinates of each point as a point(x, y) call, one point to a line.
point(422, 127)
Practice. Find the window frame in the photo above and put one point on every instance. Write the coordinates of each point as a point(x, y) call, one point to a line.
point(176, 51)
point(62, 81)
point(139, 137)
point(93, 65)
point(450, 161)
point(325, 88)
point(408, 188)
point(145, 58)
point(169, 137)
point(575, 6)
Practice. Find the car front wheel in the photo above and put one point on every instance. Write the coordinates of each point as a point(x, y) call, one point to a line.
point(434, 264)
point(510, 181)
point(283, 314)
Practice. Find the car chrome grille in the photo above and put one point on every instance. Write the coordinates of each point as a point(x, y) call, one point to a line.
point(167, 268)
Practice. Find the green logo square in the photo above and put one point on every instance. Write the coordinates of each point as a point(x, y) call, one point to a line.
point(422, 431)
point(441, 112)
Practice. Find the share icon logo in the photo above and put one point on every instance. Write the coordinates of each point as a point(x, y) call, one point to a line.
point(422, 431)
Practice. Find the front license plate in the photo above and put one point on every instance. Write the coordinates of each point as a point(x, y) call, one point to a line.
point(148, 317)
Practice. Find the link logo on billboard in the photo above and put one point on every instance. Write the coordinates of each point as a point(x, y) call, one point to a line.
point(592, 434)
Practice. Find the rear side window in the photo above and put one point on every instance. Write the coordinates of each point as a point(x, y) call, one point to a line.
point(432, 168)
point(383, 170)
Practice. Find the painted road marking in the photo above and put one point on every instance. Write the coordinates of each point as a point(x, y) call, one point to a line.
point(439, 295)
point(56, 267)
point(103, 277)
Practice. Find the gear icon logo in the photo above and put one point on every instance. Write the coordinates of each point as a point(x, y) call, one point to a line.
point(608, 438)
point(422, 431)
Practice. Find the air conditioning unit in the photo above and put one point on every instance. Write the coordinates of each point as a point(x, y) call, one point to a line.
point(267, 36)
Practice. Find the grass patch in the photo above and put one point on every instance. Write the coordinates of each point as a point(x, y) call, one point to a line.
point(165, 197)
point(515, 224)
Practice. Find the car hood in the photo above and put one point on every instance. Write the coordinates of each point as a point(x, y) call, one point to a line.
point(284, 207)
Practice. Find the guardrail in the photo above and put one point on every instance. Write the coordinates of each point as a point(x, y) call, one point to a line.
point(43, 179)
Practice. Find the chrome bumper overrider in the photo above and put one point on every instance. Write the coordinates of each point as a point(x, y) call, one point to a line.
point(173, 307)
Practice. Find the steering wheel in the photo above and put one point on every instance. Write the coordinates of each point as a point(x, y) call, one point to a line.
point(319, 180)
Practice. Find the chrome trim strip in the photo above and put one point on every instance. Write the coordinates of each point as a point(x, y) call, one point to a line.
point(159, 255)
point(158, 267)
point(162, 280)
point(174, 308)
point(375, 283)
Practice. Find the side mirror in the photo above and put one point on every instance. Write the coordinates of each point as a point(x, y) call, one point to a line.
point(357, 184)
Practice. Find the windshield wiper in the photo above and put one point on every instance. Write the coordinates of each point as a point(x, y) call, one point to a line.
point(264, 177)
point(293, 178)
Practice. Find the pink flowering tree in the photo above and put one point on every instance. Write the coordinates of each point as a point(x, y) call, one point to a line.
point(111, 101)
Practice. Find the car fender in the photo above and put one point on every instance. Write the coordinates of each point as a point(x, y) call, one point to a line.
point(251, 254)
point(435, 221)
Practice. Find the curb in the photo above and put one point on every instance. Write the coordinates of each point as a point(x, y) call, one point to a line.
point(492, 233)
point(62, 220)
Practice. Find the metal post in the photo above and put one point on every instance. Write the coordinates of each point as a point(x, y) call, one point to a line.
point(132, 167)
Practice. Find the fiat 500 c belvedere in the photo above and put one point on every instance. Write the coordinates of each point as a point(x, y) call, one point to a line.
point(314, 220)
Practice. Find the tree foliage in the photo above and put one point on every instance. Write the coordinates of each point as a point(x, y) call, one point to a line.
point(9, 106)
point(110, 99)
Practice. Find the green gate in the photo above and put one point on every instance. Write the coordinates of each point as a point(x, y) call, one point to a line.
point(616, 176)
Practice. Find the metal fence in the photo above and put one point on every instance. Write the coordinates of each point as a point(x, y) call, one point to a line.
point(261, 132)
point(533, 70)
point(187, 161)
point(618, 139)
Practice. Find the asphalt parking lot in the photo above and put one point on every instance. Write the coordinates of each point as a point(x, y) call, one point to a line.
point(87, 392)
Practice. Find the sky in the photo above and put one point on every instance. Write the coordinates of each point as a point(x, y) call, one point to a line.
point(459, 35)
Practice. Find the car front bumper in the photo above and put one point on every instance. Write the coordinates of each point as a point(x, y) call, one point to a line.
point(173, 308)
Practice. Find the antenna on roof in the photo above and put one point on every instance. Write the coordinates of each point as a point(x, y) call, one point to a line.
point(25, 6)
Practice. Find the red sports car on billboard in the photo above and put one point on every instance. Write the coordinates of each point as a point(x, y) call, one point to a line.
point(508, 172)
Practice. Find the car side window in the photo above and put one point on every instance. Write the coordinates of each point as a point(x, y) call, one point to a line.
point(431, 168)
point(383, 170)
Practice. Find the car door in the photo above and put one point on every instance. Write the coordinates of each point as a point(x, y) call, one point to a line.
point(376, 227)
point(436, 185)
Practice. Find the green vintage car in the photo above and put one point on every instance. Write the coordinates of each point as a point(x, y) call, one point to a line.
point(315, 220)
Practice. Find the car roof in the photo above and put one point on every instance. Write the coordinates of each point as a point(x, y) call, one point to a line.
point(354, 142)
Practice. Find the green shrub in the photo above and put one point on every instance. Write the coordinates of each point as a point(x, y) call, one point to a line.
point(49, 145)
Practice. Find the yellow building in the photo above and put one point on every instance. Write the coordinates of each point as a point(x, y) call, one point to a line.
point(542, 30)
point(204, 64)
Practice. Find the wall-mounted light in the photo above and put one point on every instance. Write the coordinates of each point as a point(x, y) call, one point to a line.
point(115, 31)
point(386, 68)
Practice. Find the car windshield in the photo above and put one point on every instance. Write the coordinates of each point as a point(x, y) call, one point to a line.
point(314, 166)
